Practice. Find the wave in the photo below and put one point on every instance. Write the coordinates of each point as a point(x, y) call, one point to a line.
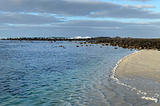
point(79, 37)
point(3, 37)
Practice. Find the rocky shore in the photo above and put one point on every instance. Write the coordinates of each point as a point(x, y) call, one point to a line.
point(130, 43)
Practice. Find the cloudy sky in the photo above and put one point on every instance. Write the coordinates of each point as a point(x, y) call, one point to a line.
point(69, 18)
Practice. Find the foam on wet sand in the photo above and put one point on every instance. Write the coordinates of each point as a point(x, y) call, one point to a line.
point(144, 65)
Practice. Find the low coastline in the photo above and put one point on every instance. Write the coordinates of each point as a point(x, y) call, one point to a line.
point(143, 64)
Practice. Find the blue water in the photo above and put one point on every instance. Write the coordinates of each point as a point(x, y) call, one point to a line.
point(42, 73)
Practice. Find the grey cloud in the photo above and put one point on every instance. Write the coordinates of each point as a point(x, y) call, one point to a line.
point(107, 24)
point(127, 13)
point(91, 23)
point(15, 18)
point(92, 9)
point(71, 8)
point(15, 12)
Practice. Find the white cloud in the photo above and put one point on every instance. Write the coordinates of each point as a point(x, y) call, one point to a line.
point(134, 0)
point(140, 6)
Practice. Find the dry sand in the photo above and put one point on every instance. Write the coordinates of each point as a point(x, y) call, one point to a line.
point(145, 64)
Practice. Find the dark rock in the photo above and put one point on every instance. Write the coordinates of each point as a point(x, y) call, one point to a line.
point(106, 44)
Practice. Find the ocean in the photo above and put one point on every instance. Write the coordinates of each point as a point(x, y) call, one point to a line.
point(41, 73)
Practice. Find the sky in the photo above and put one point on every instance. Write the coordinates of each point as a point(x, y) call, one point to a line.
point(70, 18)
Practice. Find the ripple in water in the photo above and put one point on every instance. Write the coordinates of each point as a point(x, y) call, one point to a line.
point(36, 73)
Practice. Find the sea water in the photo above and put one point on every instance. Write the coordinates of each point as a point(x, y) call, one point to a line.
point(60, 74)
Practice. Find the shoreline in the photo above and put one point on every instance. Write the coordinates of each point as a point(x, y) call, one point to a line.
point(140, 64)
point(143, 63)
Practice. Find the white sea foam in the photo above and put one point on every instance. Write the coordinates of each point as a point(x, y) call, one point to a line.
point(79, 37)
point(3, 37)
point(155, 98)
point(150, 98)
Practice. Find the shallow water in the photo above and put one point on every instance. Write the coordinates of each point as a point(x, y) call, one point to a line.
point(42, 73)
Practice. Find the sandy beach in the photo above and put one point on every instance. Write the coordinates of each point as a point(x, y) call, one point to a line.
point(144, 64)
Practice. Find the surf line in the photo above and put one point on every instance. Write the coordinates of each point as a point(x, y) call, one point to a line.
point(153, 98)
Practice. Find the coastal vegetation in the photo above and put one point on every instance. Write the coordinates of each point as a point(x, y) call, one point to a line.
point(130, 43)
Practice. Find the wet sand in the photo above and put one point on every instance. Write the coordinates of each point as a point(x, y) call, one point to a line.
point(144, 64)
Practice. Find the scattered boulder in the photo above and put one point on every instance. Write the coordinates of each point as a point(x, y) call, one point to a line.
point(140, 48)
